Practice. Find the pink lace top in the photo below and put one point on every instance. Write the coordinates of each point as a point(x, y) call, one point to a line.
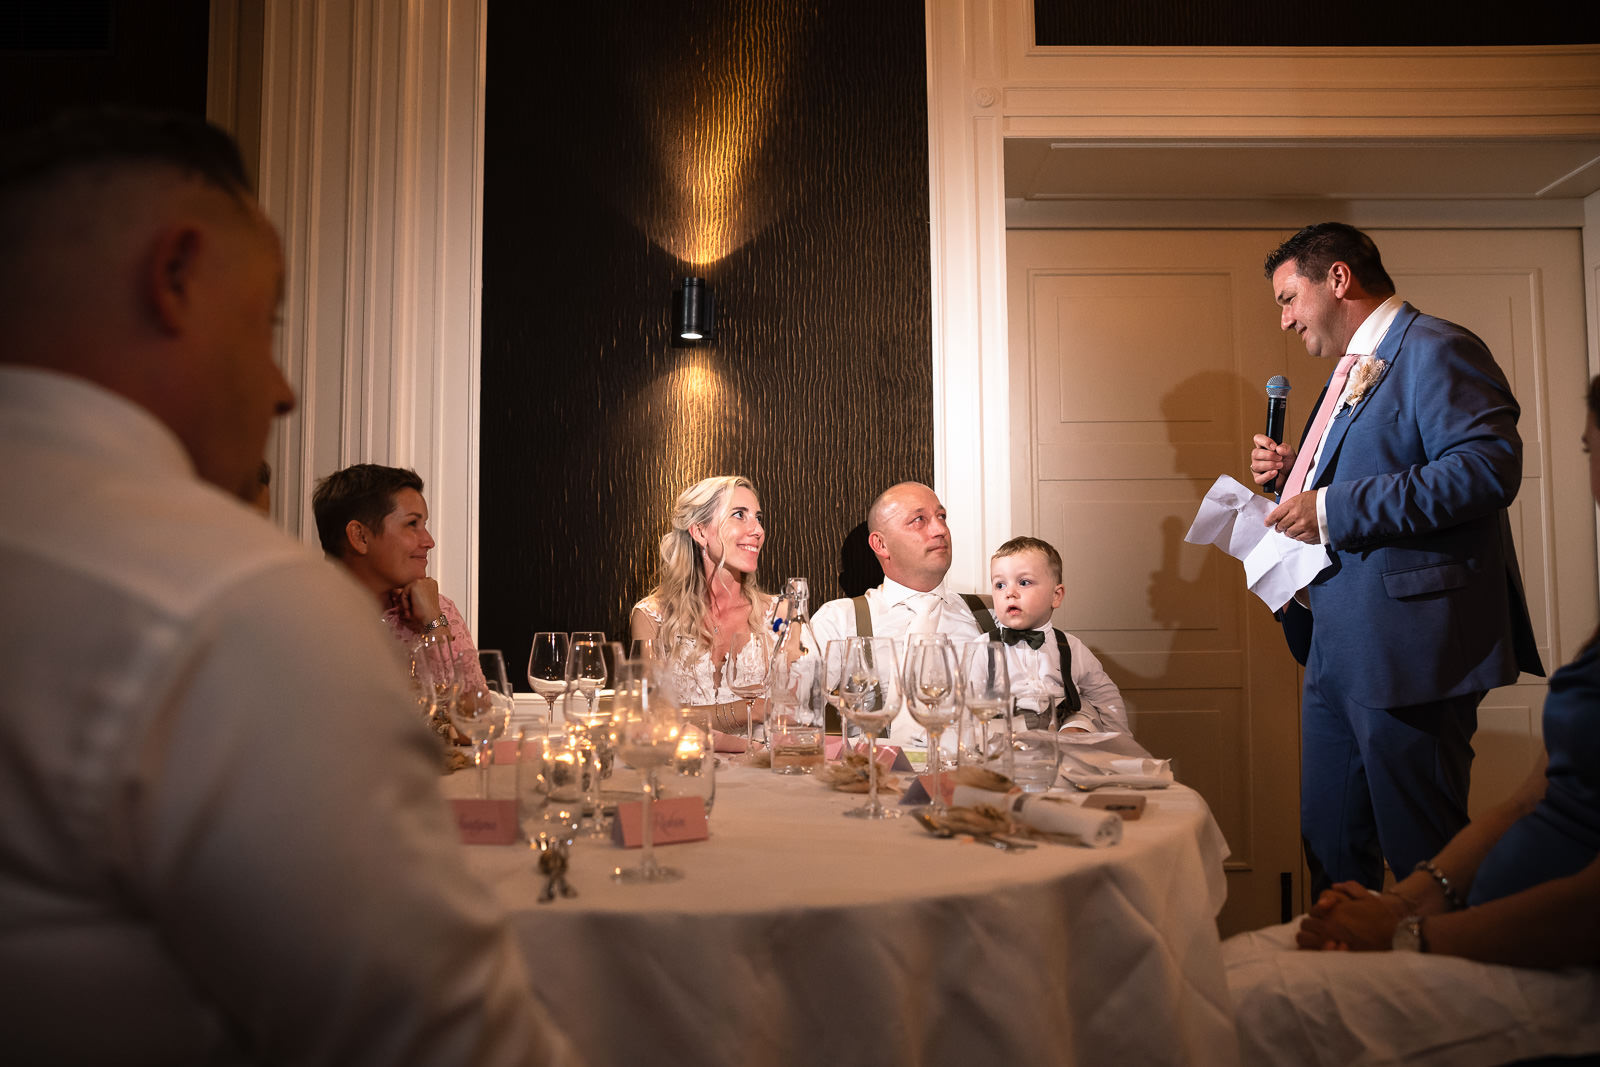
point(463, 652)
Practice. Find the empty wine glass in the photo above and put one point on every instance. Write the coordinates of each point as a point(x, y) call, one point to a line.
point(987, 684)
point(932, 683)
point(492, 665)
point(589, 664)
point(481, 714)
point(692, 677)
point(745, 672)
point(860, 672)
point(647, 738)
point(547, 668)
point(423, 693)
point(432, 658)
point(549, 789)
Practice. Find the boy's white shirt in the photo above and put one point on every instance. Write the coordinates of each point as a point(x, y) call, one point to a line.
point(1103, 710)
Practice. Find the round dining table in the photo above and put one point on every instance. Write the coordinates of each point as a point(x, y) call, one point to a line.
point(799, 936)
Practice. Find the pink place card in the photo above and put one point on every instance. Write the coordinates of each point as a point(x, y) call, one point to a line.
point(921, 790)
point(676, 820)
point(505, 751)
point(890, 757)
point(486, 822)
point(831, 747)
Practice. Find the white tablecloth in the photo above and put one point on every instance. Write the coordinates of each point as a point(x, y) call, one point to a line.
point(800, 936)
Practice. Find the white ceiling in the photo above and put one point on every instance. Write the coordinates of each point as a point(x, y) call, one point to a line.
point(1043, 170)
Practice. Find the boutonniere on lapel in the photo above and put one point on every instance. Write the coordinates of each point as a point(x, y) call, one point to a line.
point(1363, 376)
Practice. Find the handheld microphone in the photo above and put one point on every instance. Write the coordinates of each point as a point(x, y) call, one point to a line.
point(1277, 406)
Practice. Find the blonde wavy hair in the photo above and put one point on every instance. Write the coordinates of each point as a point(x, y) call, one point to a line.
point(682, 593)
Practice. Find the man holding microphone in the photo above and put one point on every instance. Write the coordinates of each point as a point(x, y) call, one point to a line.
point(1404, 472)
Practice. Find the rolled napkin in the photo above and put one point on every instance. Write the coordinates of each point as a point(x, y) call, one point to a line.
point(1056, 816)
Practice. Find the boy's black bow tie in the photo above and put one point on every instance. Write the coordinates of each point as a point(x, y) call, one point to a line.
point(1034, 638)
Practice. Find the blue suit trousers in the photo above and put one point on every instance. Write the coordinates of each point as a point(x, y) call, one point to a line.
point(1379, 784)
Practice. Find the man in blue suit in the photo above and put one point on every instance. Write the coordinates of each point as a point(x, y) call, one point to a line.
point(1407, 467)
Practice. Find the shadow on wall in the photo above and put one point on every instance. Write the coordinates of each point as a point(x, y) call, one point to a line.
point(859, 569)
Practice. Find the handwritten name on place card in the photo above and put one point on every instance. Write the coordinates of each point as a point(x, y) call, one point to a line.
point(486, 822)
point(676, 820)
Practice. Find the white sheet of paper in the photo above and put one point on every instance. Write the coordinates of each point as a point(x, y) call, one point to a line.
point(1233, 517)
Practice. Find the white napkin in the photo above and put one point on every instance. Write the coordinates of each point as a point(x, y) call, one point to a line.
point(1087, 766)
point(1233, 518)
point(1047, 814)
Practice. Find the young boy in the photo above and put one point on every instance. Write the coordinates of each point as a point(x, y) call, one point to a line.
point(1025, 576)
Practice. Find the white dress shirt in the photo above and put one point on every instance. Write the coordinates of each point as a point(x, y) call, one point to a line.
point(894, 613)
point(1036, 671)
point(224, 840)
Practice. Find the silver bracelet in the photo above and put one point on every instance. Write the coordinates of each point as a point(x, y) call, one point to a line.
point(1451, 897)
point(436, 623)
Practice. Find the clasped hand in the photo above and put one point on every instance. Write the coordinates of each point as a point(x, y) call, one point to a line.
point(1347, 917)
point(417, 603)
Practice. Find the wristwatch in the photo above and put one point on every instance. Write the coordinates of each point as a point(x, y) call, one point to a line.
point(1408, 935)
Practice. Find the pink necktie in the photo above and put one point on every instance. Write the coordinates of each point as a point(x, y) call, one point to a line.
point(1319, 425)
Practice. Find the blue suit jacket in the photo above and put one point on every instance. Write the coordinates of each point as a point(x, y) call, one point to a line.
point(1423, 599)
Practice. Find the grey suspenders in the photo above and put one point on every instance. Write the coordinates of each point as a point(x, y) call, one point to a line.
point(975, 604)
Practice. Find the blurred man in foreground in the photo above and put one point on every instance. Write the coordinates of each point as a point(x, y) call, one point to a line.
point(223, 839)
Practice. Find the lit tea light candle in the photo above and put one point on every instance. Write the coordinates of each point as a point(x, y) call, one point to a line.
point(690, 747)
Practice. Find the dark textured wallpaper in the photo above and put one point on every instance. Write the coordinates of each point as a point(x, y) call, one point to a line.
point(779, 150)
point(57, 54)
point(1357, 23)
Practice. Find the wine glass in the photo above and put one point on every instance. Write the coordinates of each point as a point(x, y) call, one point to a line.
point(547, 668)
point(481, 714)
point(861, 673)
point(588, 669)
point(647, 738)
point(685, 673)
point(492, 665)
point(932, 684)
point(432, 659)
point(745, 673)
point(987, 684)
point(423, 693)
point(549, 790)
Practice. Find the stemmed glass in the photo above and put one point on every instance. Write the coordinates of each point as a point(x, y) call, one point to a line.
point(423, 692)
point(987, 684)
point(433, 666)
point(481, 713)
point(932, 683)
point(647, 738)
point(547, 669)
point(860, 672)
point(549, 790)
point(492, 665)
point(745, 673)
point(588, 669)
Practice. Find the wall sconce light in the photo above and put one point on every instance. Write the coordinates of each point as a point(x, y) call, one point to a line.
point(694, 314)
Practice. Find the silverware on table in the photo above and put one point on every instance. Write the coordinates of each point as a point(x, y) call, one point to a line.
point(939, 829)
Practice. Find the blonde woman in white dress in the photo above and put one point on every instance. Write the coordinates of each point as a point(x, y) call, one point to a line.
point(706, 600)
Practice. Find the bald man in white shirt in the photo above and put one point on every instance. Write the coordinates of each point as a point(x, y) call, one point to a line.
point(906, 530)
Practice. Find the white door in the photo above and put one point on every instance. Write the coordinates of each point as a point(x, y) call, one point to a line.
point(1139, 359)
